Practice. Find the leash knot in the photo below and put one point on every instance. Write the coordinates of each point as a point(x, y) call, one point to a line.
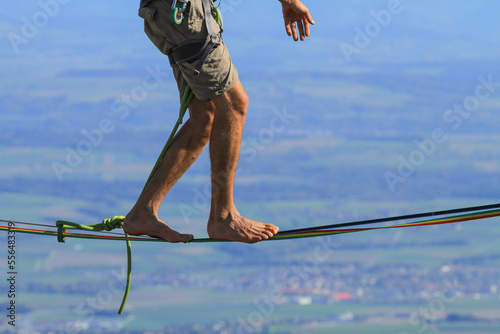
point(112, 223)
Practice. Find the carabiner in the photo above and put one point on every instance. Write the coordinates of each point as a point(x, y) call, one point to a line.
point(177, 12)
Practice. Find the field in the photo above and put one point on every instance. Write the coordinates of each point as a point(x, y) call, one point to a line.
point(409, 124)
point(302, 177)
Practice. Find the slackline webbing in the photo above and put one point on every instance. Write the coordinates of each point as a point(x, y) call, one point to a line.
point(446, 217)
point(61, 229)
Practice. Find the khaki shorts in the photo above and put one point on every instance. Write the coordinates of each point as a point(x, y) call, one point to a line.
point(218, 73)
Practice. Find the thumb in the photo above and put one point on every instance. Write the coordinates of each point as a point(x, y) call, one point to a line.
point(310, 19)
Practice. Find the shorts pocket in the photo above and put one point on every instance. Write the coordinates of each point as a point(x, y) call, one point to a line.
point(147, 13)
point(195, 18)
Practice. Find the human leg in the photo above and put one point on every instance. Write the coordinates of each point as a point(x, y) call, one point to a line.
point(225, 222)
point(214, 85)
point(184, 150)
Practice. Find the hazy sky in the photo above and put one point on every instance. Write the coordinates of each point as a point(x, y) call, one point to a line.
point(71, 34)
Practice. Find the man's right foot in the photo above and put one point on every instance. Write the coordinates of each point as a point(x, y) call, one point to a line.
point(238, 228)
point(150, 225)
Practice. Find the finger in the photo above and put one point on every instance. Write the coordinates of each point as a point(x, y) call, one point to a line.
point(294, 31)
point(287, 27)
point(300, 28)
point(310, 19)
point(306, 28)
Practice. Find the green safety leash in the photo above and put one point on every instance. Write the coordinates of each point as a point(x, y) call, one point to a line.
point(186, 100)
point(106, 225)
point(176, 16)
point(117, 221)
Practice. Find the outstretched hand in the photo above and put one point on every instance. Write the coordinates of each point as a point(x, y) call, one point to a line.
point(297, 19)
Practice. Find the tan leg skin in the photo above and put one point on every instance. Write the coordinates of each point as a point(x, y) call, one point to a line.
point(225, 222)
point(184, 150)
point(220, 120)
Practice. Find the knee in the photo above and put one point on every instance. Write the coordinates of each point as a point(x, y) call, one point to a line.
point(202, 123)
point(245, 102)
point(240, 102)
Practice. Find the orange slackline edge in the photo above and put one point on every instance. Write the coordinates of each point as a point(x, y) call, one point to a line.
point(310, 232)
point(487, 211)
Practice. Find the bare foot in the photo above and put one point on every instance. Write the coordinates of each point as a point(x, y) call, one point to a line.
point(149, 224)
point(237, 228)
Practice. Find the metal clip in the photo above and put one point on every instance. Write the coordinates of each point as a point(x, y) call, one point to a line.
point(181, 7)
point(176, 14)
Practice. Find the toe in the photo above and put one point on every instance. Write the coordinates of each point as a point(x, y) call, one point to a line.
point(184, 237)
point(268, 234)
point(255, 239)
point(272, 229)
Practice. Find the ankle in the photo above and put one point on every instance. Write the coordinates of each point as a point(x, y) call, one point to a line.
point(224, 214)
point(141, 212)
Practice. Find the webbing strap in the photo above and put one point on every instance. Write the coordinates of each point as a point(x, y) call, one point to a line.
point(187, 51)
point(474, 213)
point(207, 6)
point(204, 57)
point(199, 48)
